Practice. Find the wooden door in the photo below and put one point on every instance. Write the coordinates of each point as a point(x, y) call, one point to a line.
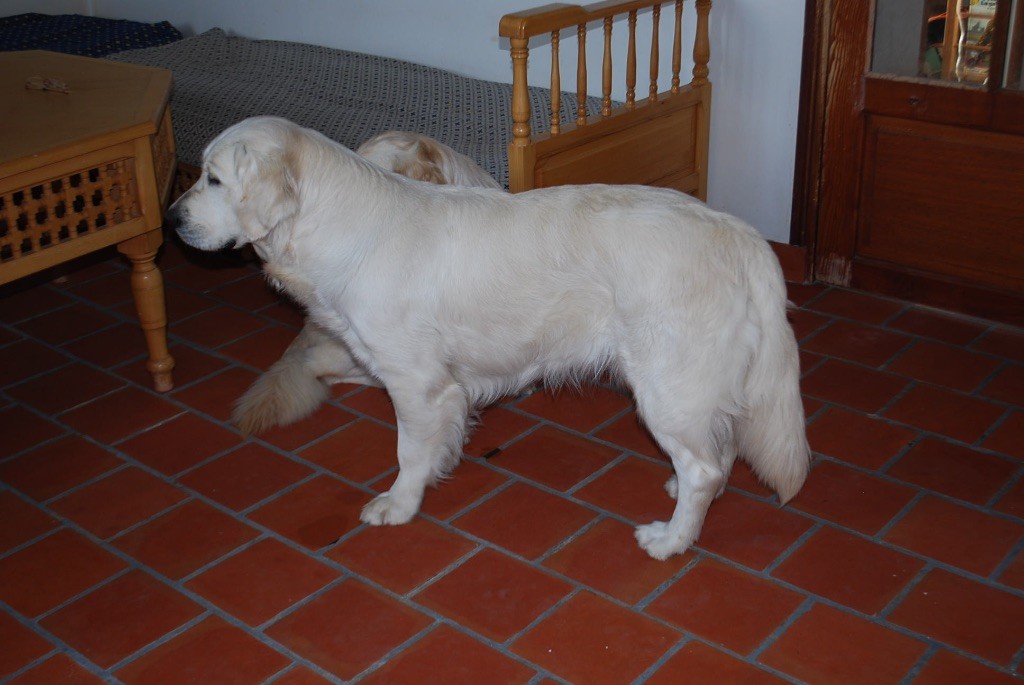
point(912, 148)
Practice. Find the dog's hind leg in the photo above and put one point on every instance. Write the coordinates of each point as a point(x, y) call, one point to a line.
point(431, 426)
point(728, 459)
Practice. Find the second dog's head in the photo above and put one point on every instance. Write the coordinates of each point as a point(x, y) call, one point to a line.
point(248, 187)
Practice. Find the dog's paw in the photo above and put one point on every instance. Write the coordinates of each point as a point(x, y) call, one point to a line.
point(672, 486)
point(657, 540)
point(384, 510)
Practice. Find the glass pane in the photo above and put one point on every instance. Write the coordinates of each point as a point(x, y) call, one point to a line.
point(949, 40)
point(1014, 77)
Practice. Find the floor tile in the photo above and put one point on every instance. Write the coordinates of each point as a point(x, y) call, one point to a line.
point(1002, 341)
point(725, 605)
point(497, 426)
point(23, 429)
point(591, 640)
point(57, 669)
point(525, 520)
point(111, 346)
point(120, 414)
point(1013, 501)
point(361, 451)
point(117, 501)
point(970, 616)
point(554, 458)
point(115, 620)
point(1008, 437)
point(952, 367)
point(1013, 574)
point(314, 514)
point(245, 476)
point(65, 388)
point(52, 468)
point(53, 570)
point(849, 570)
point(698, 664)
point(963, 537)
point(806, 322)
point(301, 676)
point(858, 306)
point(1007, 386)
point(33, 358)
point(494, 595)
point(468, 483)
point(856, 342)
point(953, 470)
point(203, 272)
point(218, 326)
point(17, 304)
point(262, 580)
point(22, 646)
point(190, 365)
point(210, 652)
point(179, 444)
point(21, 521)
point(851, 498)
point(185, 539)
point(947, 668)
point(401, 558)
point(945, 412)
point(216, 395)
point(250, 293)
point(348, 628)
point(750, 532)
point(582, 410)
point(448, 656)
point(629, 433)
point(262, 348)
point(607, 558)
point(324, 420)
point(62, 325)
point(372, 402)
point(857, 438)
point(634, 488)
point(826, 645)
point(938, 325)
point(853, 386)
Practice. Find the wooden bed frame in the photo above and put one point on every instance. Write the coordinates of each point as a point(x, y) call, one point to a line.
point(659, 140)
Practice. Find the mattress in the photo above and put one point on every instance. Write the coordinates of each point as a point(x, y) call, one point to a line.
point(221, 79)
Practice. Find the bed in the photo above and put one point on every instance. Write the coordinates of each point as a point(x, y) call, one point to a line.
point(526, 135)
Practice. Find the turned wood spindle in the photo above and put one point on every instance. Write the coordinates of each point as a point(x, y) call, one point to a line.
point(581, 75)
point(631, 63)
point(556, 86)
point(606, 72)
point(677, 46)
point(655, 52)
point(701, 44)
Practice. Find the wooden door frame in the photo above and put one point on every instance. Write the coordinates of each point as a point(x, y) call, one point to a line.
point(826, 222)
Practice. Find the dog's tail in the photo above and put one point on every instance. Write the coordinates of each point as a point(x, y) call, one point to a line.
point(287, 392)
point(771, 433)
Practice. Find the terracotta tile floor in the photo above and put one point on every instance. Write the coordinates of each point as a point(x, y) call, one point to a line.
point(143, 540)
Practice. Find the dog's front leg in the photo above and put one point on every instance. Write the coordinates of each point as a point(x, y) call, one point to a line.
point(431, 426)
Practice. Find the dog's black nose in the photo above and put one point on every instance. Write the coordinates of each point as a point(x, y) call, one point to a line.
point(172, 219)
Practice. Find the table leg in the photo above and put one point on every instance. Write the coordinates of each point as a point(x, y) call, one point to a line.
point(148, 289)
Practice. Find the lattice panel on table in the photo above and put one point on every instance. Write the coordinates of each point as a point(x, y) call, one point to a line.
point(185, 179)
point(62, 209)
point(163, 152)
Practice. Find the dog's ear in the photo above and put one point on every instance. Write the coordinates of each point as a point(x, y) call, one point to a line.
point(270, 199)
point(423, 163)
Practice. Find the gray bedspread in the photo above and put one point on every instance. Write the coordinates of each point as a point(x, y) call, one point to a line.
point(348, 96)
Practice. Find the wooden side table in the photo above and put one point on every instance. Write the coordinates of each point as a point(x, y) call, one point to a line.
point(86, 169)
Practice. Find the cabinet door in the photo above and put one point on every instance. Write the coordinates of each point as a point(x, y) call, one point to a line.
point(920, 189)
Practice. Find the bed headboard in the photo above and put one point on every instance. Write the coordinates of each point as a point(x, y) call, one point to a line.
point(661, 139)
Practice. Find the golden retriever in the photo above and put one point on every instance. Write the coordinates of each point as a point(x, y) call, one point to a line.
point(453, 296)
point(298, 382)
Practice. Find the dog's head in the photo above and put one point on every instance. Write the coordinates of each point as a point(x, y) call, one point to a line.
point(248, 188)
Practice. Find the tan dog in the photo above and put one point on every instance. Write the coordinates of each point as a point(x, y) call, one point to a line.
point(453, 296)
point(298, 382)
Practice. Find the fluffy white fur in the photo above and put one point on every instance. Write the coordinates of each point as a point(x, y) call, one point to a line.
point(298, 382)
point(453, 296)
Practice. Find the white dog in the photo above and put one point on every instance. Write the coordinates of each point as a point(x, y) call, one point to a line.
point(453, 296)
point(297, 383)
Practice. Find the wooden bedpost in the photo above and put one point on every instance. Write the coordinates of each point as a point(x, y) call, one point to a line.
point(521, 152)
point(701, 55)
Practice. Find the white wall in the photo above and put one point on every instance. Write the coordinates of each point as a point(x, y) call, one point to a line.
point(755, 66)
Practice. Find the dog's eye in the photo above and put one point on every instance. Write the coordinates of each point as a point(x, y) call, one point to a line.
point(213, 181)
